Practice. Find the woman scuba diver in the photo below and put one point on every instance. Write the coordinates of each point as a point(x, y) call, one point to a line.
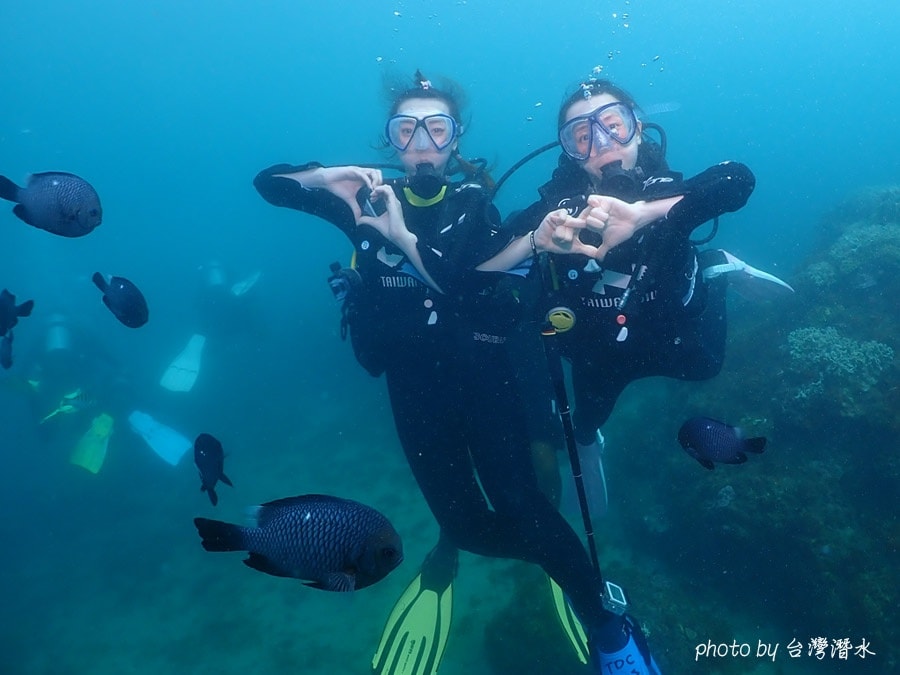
point(436, 327)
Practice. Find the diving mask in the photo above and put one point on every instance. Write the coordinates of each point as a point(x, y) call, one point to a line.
point(598, 130)
point(437, 131)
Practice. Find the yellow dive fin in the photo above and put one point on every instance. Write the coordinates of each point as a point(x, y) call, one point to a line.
point(416, 632)
point(91, 449)
point(569, 622)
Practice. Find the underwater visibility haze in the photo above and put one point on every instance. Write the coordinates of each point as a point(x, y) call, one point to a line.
point(169, 109)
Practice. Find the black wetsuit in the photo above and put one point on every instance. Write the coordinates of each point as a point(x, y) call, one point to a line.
point(673, 323)
point(455, 404)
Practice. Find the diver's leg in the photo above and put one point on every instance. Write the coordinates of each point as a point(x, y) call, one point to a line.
point(698, 351)
point(429, 429)
point(596, 389)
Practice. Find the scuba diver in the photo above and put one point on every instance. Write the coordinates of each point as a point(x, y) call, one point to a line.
point(71, 380)
point(628, 293)
point(617, 223)
point(418, 312)
point(79, 389)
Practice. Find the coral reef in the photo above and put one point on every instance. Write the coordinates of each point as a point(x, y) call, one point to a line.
point(876, 205)
point(827, 367)
point(840, 346)
point(867, 246)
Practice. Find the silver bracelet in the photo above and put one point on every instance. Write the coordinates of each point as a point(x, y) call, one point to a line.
point(534, 250)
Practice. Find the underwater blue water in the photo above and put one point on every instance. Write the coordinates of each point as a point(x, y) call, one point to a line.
point(169, 109)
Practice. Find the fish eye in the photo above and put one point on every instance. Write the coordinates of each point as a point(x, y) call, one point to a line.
point(93, 213)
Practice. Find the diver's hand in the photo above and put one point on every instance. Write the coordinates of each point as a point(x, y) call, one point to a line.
point(617, 221)
point(558, 233)
point(391, 223)
point(343, 182)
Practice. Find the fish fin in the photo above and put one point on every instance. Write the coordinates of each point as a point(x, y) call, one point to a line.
point(340, 582)
point(705, 463)
point(53, 173)
point(22, 215)
point(302, 500)
point(100, 282)
point(25, 308)
point(8, 190)
point(219, 536)
point(261, 563)
point(213, 497)
point(756, 445)
point(225, 479)
point(268, 511)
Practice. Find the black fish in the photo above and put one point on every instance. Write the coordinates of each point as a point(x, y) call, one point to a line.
point(6, 351)
point(61, 203)
point(124, 300)
point(10, 313)
point(210, 460)
point(335, 544)
point(708, 441)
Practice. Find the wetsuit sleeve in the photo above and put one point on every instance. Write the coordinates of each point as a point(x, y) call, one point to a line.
point(288, 193)
point(522, 222)
point(723, 188)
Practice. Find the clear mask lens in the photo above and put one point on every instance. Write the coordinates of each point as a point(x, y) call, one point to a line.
point(598, 131)
point(432, 131)
point(422, 141)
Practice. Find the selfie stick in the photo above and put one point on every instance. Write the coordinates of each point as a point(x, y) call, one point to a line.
point(554, 363)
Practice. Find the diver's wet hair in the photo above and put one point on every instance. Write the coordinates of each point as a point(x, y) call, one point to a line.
point(590, 88)
point(397, 92)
